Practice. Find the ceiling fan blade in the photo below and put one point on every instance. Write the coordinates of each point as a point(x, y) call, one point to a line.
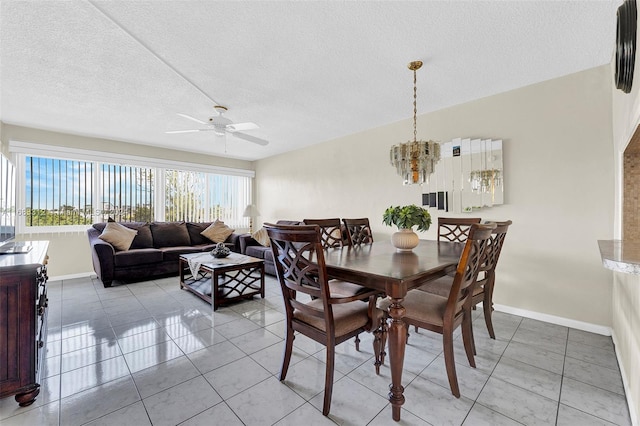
point(188, 117)
point(236, 127)
point(188, 131)
point(250, 138)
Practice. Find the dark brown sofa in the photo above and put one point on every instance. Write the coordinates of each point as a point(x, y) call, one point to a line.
point(154, 251)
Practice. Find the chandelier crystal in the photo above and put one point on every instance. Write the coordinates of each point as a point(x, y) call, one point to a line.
point(415, 160)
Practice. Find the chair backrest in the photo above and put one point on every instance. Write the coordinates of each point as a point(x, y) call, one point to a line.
point(330, 231)
point(494, 246)
point(358, 231)
point(467, 271)
point(455, 229)
point(301, 268)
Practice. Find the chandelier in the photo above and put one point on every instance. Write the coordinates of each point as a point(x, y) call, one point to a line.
point(485, 181)
point(415, 160)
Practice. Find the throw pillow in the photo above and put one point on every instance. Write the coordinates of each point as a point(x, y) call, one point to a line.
point(262, 237)
point(170, 234)
point(118, 235)
point(217, 232)
point(144, 239)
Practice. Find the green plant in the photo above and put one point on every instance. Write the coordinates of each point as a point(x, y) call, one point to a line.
point(407, 217)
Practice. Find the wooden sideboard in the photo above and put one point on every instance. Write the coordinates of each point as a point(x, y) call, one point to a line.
point(23, 322)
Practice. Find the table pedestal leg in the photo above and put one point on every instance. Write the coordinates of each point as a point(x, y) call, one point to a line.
point(397, 343)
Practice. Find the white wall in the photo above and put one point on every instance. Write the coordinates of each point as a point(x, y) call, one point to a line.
point(559, 190)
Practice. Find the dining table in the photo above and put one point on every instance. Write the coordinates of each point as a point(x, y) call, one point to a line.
point(381, 266)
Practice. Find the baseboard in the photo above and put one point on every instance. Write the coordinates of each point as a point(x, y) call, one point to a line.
point(567, 322)
point(72, 276)
point(625, 383)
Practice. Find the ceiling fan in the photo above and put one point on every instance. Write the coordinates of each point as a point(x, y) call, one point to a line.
point(221, 125)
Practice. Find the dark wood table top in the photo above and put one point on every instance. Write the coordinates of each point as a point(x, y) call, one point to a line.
point(381, 266)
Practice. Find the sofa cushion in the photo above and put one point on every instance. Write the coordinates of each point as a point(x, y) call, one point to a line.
point(118, 235)
point(195, 230)
point(137, 257)
point(170, 234)
point(172, 254)
point(143, 239)
point(260, 252)
point(218, 232)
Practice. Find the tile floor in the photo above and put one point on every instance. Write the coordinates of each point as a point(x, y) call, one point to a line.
point(150, 353)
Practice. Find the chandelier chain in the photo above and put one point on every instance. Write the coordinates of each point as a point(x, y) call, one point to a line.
point(415, 106)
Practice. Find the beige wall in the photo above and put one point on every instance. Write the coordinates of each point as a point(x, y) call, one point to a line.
point(68, 252)
point(626, 288)
point(559, 188)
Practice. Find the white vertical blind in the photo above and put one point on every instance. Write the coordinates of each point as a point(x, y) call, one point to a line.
point(61, 193)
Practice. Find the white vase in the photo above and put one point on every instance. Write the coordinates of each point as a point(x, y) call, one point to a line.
point(405, 239)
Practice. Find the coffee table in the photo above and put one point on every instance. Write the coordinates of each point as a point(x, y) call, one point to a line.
point(219, 281)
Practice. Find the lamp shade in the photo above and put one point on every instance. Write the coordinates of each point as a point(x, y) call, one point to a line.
point(251, 211)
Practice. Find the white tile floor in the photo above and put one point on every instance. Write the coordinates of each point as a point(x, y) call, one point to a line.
point(150, 353)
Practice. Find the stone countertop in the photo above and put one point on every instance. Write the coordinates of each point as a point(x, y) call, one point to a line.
point(621, 256)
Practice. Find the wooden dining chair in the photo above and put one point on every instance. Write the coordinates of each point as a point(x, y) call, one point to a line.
point(358, 231)
point(444, 314)
point(311, 307)
point(483, 290)
point(332, 237)
point(330, 230)
point(454, 228)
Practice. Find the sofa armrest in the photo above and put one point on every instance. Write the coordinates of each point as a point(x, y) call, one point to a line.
point(246, 240)
point(102, 256)
point(233, 242)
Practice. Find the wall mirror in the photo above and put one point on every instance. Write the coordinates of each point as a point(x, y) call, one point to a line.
point(468, 177)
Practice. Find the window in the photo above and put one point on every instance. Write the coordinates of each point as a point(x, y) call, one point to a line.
point(58, 192)
point(185, 195)
point(126, 194)
point(201, 197)
point(61, 193)
point(229, 196)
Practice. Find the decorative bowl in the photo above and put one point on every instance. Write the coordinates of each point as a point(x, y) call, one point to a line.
point(220, 251)
point(219, 255)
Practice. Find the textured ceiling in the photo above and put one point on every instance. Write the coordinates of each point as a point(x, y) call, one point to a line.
point(305, 72)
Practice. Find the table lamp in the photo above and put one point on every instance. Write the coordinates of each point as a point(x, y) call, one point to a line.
point(251, 211)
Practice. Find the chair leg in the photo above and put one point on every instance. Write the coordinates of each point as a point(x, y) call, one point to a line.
point(288, 349)
point(467, 338)
point(357, 342)
point(473, 341)
point(383, 344)
point(447, 341)
point(377, 349)
point(328, 382)
point(379, 343)
point(487, 306)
